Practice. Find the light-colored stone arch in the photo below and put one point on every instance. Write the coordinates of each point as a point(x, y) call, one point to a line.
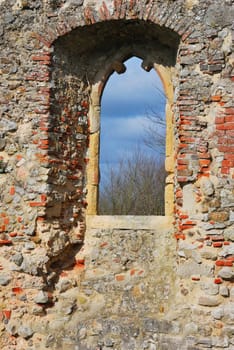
point(165, 74)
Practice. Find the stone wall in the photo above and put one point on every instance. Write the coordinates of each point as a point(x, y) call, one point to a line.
point(55, 56)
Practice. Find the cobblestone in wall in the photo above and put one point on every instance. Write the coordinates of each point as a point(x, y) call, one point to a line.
point(52, 54)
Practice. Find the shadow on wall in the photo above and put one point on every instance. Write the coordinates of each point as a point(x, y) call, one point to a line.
point(81, 59)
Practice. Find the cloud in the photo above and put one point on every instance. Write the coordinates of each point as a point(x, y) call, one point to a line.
point(125, 101)
point(133, 92)
point(121, 135)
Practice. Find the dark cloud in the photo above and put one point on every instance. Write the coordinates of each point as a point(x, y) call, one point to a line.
point(133, 93)
point(125, 101)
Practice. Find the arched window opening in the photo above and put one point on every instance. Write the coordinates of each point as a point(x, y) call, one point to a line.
point(132, 146)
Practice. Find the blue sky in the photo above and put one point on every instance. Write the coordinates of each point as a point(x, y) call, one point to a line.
point(125, 101)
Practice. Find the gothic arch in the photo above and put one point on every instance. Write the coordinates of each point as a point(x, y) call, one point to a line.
point(82, 62)
point(117, 64)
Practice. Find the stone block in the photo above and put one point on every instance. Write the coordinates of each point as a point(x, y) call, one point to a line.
point(209, 301)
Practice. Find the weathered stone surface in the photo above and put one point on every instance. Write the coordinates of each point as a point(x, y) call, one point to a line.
point(4, 279)
point(41, 298)
point(8, 125)
point(209, 301)
point(224, 311)
point(12, 327)
point(207, 187)
point(63, 285)
point(224, 291)
point(126, 287)
point(210, 288)
point(229, 234)
point(190, 268)
point(25, 331)
point(17, 259)
point(226, 273)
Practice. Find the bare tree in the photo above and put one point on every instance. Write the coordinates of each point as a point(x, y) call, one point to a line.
point(155, 127)
point(134, 186)
point(154, 132)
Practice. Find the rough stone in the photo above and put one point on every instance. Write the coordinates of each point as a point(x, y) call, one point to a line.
point(41, 298)
point(17, 259)
point(12, 328)
point(229, 234)
point(226, 273)
point(25, 331)
point(8, 125)
point(63, 285)
point(210, 288)
point(4, 279)
point(208, 301)
point(190, 268)
point(224, 291)
point(133, 282)
point(207, 187)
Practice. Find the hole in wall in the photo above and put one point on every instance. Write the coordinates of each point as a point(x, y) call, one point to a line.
point(132, 151)
point(82, 62)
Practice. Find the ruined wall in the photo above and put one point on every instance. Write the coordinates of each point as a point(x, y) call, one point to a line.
point(53, 55)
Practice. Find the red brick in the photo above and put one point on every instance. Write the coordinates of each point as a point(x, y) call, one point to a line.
point(7, 314)
point(103, 244)
point(230, 257)
point(17, 290)
point(179, 236)
point(228, 163)
point(230, 133)
point(216, 98)
point(179, 194)
point(40, 218)
point(41, 58)
point(204, 162)
point(6, 221)
point(226, 140)
point(12, 191)
point(217, 244)
point(225, 170)
point(182, 167)
point(229, 118)
point(13, 234)
point(219, 120)
point(218, 280)
point(182, 145)
point(5, 242)
point(229, 111)
point(183, 216)
point(119, 278)
point(195, 278)
point(220, 133)
point(185, 227)
point(228, 149)
point(189, 222)
point(225, 126)
point(3, 228)
point(37, 204)
point(44, 142)
point(43, 197)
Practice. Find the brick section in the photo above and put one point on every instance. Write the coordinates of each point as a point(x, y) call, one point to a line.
point(52, 53)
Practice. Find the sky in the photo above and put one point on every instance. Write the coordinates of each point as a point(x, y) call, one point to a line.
point(125, 102)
